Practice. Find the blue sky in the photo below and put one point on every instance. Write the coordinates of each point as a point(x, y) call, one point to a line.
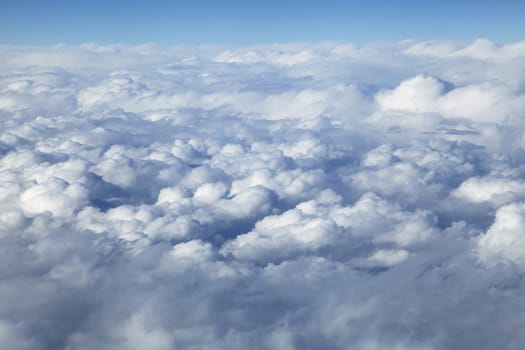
point(249, 22)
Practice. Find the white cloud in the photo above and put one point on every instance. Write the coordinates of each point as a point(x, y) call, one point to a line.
point(486, 102)
point(56, 197)
point(481, 49)
point(504, 241)
point(274, 56)
point(323, 195)
point(323, 223)
point(387, 257)
point(485, 189)
point(418, 95)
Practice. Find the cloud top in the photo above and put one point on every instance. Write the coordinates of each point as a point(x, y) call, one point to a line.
point(300, 196)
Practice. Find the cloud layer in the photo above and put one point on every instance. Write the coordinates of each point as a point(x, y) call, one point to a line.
point(321, 196)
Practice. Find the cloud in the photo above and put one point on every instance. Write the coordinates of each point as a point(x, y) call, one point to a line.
point(55, 197)
point(285, 196)
point(323, 224)
point(421, 95)
point(480, 190)
point(503, 241)
point(418, 94)
point(272, 57)
point(480, 49)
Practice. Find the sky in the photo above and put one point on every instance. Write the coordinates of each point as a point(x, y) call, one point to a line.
point(352, 191)
point(47, 22)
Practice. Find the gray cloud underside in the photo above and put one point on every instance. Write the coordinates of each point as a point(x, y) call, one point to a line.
point(321, 196)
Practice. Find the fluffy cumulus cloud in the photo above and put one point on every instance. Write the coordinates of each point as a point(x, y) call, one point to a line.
point(320, 196)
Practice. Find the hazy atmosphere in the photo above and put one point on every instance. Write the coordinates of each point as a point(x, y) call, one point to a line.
point(319, 176)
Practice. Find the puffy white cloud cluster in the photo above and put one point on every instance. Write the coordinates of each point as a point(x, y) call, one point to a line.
point(321, 196)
